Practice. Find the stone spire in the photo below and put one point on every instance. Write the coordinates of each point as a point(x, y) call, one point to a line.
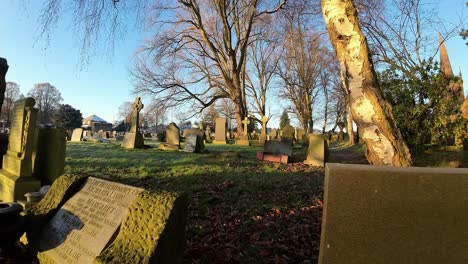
point(445, 66)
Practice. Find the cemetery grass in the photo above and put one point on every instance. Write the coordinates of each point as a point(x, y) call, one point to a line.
point(241, 210)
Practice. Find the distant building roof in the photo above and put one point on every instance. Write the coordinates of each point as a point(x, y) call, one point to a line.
point(94, 118)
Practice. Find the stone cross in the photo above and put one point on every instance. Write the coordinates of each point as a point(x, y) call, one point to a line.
point(264, 121)
point(136, 106)
point(246, 122)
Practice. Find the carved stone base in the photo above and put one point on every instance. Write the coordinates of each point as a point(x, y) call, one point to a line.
point(13, 188)
point(133, 140)
point(16, 166)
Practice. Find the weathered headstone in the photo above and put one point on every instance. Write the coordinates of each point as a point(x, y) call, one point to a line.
point(172, 138)
point(134, 139)
point(87, 133)
point(317, 151)
point(375, 214)
point(77, 135)
point(16, 174)
point(49, 162)
point(190, 143)
point(220, 131)
point(106, 222)
point(199, 142)
point(244, 138)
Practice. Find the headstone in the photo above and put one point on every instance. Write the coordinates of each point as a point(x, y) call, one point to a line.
point(190, 143)
point(199, 142)
point(101, 134)
point(49, 162)
point(244, 138)
point(375, 214)
point(114, 134)
point(106, 222)
point(77, 135)
point(16, 174)
point(134, 139)
point(87, 133)
point(220, 131)
point(317, 151)
point(172, 138)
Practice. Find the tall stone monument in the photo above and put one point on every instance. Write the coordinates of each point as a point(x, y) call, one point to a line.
point(3, 70)
point(263, 135)
point(244, 138)
point(134, 139)
point(220, 131)
point(16, 175)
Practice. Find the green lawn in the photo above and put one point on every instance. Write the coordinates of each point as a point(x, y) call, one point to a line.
point(242, 210)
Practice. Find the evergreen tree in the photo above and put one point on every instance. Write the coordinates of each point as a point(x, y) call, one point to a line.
point(68, 117)
point(284, 119)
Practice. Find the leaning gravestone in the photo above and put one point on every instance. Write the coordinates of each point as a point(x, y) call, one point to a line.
point(134, 139)
point(317, 151)
point(106, 222)
point(77, 135)
point(172, 138)
point(276, 151)
point(16, 174)
point(376, 214)
point(220, 131)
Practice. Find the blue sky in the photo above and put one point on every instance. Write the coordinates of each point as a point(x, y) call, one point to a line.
point(105, 83)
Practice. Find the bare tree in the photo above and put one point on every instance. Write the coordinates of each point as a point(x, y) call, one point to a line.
point(372, 114)
point(125, 112)
point(262, 65)
point(199, 52)
point(155, 113)
point(403, 33)
point(48, 99)
point(12, 93)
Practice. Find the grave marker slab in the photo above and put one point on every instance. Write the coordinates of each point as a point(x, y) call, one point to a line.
point(375, 214)
point(190, 143)
point(76, 218)
point(83, 226)
point(172, 138)
point(220, 131)
point(317, 151)
point(276, 151)
point(77, 135)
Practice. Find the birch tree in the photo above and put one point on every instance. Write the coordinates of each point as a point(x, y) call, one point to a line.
point(373, 116)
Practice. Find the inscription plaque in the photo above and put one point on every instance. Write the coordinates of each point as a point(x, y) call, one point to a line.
point(85, 224)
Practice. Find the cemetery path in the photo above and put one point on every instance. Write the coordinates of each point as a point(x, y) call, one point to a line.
point(340, 153)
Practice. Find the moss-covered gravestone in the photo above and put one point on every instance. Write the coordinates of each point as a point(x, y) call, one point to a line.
point(100, 221)
point(77, 135)
point(16, 174)
point(134, 139)
point(375, 214)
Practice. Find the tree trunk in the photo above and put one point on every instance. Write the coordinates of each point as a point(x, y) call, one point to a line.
point(372, 115)
point(349, 127)
point(3, 71)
